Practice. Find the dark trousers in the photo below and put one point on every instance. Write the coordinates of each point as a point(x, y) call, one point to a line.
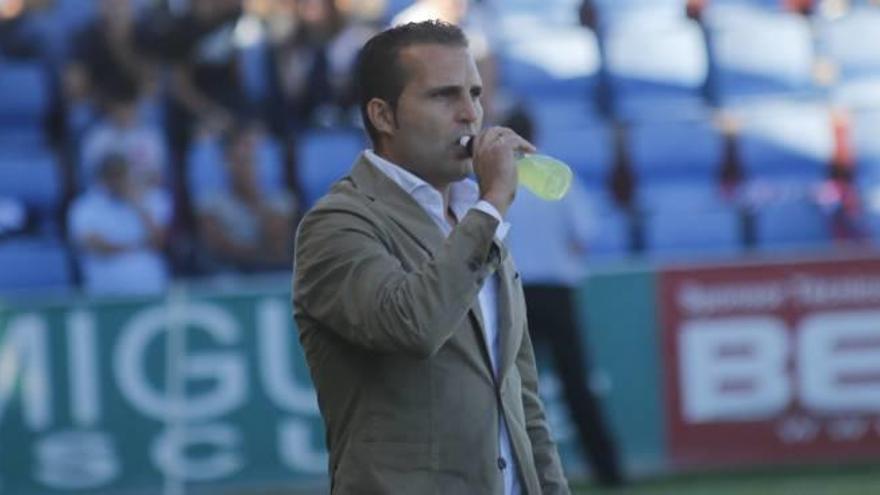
point(552, 321)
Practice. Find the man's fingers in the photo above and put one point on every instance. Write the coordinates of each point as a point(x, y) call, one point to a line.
point(503, 136)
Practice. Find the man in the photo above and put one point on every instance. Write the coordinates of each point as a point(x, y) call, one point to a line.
point(119, 229)
point(244, 227)
point(409, 308)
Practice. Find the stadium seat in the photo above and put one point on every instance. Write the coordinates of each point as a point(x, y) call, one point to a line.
point(866, 147)
point(756, 51)
point(585, 147)
point(792, 224)
point(657, 63)
point(31, 176)
point(34, 263)
point(323, 156)
point(781, 138)
point(612, 238)
point(679, 195)
point(865, 135)
point(851, 42)
point(549, 59)
point(610, 11)
point(29, 82)
point(693, 232)
point(206, 172)
point(690, 149)
point(552, 112)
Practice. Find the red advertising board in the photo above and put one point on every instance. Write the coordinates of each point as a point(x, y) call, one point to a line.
point(772, 362)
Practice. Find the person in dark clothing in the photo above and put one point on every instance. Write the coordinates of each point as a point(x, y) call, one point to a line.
point(108, 54)
point(551, 253)
point(206, 90)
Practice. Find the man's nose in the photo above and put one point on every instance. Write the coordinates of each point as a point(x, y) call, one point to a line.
point(469, 109)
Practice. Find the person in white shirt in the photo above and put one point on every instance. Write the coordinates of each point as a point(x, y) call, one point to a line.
point(118, 230)
point(409, 308)
point(551, 243)
point(123, 131)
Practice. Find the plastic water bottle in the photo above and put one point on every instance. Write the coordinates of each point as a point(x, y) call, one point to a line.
point(546, 177)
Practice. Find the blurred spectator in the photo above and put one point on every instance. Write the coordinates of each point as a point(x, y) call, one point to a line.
point(550, 240)
point(587, 15)
point(839, 199)
point(123, 132)
point(20, 37)
point(108, 54)
point(621, 179)
point(315, 60)
point(245, 228)
point(205, 84)
point(838, 196)
point(730, 172)
point(119, 230)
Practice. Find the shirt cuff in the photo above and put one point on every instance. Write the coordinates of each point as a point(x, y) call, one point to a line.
point(487, 208)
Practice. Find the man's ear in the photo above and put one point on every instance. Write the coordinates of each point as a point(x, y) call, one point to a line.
point(381, 116)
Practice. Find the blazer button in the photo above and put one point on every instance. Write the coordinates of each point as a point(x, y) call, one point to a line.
point(502, 464)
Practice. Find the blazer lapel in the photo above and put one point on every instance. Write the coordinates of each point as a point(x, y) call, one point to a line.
point(397, 204)
point(403, 210)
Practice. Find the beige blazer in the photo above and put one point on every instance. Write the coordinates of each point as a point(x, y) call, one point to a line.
point(388, 318)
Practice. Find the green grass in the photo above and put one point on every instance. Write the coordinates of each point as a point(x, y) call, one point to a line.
point(859, 480)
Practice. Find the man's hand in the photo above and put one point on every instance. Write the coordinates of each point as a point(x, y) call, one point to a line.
point(495, 154)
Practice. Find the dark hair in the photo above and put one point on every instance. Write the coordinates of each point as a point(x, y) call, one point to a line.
point(379, 73)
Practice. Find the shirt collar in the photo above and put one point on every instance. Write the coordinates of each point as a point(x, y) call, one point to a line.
point(462, 194)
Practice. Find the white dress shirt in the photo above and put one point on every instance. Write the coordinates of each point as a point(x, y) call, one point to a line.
point(463, 196)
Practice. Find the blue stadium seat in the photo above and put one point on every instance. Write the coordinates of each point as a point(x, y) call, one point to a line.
point(763, 4)
point(612, 238)
point(694, 233)
point(323, 156)
point(611, 10)
point(657, 63)
point(679, 195)
point(553, 112)
point(31, 176)
point(786, 139)
point(32, 264)
point(541, 57)
point(873, 225)
point(865, 135)
point(851, 42)
point(681, 149)
point(860, 92)
point(24, 87)
point(206, 172)
point(866, 147)
point(205, 169)
point(584, 144)
point(793, 224)
point(756, 51)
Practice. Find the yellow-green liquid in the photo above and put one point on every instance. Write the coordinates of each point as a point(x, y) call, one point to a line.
point(546, 177)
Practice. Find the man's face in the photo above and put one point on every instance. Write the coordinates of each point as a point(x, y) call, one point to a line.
point(439, 104)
